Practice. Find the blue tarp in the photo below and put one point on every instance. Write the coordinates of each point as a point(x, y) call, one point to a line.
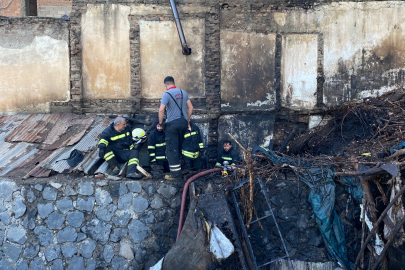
point(322, 199)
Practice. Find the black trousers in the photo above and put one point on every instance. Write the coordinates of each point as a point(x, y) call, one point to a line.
point(174, 131)
point(114, 157)
point(192, 163)
point(163, 163)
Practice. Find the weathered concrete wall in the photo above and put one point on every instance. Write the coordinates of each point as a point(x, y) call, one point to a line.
point(299, 71)
point(161, 56)
point(247, 71)
point(363, 57)
point(11, 8)
point(358, 51)
point(249, 130)
point(34, 64)
point(106, 54)
point(55, 11)
point(86, 224)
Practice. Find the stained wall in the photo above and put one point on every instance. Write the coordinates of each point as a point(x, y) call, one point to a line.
point(34, 64)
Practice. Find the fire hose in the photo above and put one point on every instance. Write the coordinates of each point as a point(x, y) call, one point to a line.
point(183, 198)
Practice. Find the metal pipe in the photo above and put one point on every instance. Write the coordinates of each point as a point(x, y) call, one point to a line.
point(185, 49)
point(183, 198)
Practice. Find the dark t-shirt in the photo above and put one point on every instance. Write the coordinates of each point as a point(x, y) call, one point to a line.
point(172, 111)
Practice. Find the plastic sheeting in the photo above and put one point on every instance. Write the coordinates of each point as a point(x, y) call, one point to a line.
point(353, 187)
point(220, 246)
point(322, 199)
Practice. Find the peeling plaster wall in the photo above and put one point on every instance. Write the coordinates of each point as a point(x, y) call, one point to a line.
point(34, 65)
point(247, 70)
point(299, 71)
point(366, 56)
point(161, 56)
point(105, 42)
point(355, 50)
point(249, 130)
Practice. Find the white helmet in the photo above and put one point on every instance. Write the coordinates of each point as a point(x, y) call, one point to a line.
point(138, 135)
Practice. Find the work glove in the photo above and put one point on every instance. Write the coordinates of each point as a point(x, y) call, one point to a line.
point(101, 152)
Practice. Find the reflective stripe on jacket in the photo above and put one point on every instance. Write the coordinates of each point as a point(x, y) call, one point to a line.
point(116, 140)
point(193, 143)
point(231, 156)
point(156, 145)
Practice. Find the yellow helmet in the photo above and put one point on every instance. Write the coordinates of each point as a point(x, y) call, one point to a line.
point(138, 134)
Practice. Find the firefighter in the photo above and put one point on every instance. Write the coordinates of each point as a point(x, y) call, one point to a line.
point(192, 148)
point(116, 146)
point(178, 110)
point(157, 148)
point(228, 154)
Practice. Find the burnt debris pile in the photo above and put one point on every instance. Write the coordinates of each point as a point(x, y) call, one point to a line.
point(335, 199)
point(371, 126)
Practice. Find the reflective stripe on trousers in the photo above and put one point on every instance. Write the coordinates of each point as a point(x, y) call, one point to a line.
point(175, 168)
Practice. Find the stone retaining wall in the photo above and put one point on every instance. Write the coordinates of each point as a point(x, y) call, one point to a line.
point(86, 224)
point(64, 222)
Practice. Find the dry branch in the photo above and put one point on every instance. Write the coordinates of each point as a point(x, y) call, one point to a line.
point(373, 231)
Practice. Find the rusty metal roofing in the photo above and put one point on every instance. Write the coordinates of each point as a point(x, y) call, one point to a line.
point(87, 144)
point(68, 130)
point(13, 154)
point(24, 154)
point(9, 123)
point(32, 145)
point(21, 167)
point(33, 129)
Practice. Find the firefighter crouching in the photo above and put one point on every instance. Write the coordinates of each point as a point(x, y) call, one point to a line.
point(192, 148)
point(157, 149)
point(118, 145)
point(228, 154)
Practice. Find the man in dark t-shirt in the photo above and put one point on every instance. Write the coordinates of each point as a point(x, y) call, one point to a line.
point(178, 112)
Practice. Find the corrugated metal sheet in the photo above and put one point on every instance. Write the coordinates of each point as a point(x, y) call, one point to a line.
point(38, 171)
point(68, 130)
point(11, 153)
point(86, 145)
point(29, 163)
point(104, 169)
point(88, 162)
point(9, 123)
point(24, 158)
point(34, 129)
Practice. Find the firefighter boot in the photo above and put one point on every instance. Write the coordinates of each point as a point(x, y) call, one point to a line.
point(116, 170)
point(135, 175)
point(174, 176)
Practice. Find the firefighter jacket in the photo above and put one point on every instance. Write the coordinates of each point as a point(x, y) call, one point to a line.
point(192, 144)
point(157, 146)
point(231, 156)
point(116, 140)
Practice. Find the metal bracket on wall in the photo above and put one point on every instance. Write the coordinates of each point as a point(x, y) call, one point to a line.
point(244, 230)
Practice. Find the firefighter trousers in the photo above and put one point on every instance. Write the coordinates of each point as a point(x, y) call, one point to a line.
point(114, 157)
point(164, 164)
point(193, 164)
point(174, 131)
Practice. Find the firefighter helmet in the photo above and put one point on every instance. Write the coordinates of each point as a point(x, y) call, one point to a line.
point(138, 135)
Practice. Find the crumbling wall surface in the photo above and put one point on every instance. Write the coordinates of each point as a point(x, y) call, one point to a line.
point(11, 8)
point(247, 71)
point(330, 53)
point(34, 63)
point(249, 130)
point(86, 224)
point(139, 47)
point(106, 55)
point(54, 8)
